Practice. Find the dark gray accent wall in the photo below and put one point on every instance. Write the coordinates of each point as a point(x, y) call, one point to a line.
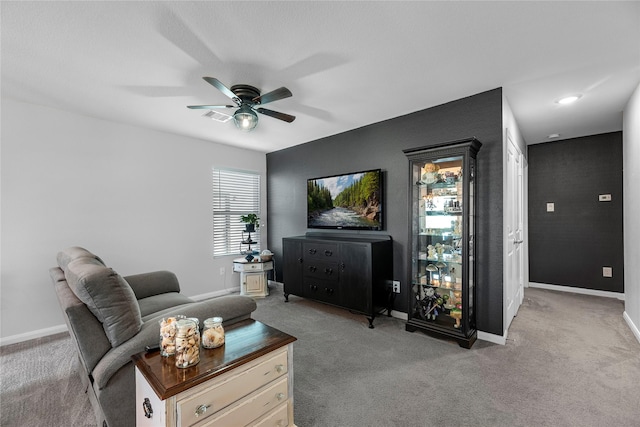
point(571, 245)
point(380, 145)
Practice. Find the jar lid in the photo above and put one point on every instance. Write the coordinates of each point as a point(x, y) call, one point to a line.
point(213, 320)
point(186, 326)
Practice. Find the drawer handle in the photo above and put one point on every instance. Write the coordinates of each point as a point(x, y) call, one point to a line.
point(329, 291)
point(279, 368)
point(300, 260)
point(328, 271)
point(148, 410)
point(312, 251)
point(202, 409)
point(328, 253)
point(312, 268)
point(280, 396)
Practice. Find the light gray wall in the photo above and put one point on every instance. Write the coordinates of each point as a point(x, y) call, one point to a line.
point(140, 199)
point(631, 194)
point(380, 146)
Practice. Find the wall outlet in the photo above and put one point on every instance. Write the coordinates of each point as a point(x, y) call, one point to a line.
point(396, 286)
point(551, 207)
point(222, 271)
point(607, 272)
point(604, 197)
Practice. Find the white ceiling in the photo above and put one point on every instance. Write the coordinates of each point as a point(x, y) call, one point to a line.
point(348, 64)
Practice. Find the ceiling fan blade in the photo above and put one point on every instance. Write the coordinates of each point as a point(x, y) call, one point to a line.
point(222, 88)
point(282, 116)
point(209, 107)
point(274, 95)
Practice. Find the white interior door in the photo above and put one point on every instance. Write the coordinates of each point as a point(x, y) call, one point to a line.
point(514, 220)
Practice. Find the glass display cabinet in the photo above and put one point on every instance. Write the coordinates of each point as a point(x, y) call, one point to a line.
point(442, 236)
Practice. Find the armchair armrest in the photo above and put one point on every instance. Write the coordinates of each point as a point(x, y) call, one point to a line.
point(149, 284)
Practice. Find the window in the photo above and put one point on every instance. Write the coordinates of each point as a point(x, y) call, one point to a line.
point(235, 193)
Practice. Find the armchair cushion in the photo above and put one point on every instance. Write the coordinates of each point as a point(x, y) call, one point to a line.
point(108, 296)
point(66, 256)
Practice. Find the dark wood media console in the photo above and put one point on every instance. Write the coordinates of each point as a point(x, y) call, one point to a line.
point(348, 271)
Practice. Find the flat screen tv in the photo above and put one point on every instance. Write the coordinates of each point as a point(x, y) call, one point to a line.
point(352, 201)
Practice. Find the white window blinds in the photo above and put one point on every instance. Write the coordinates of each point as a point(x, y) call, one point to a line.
point(235, 193)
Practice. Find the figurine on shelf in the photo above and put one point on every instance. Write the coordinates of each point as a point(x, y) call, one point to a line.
point(430, 304)
point(430, 173)
point(456, 313)
point(440, 250)
point(431, 252)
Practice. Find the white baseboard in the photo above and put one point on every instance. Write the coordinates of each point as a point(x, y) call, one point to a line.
point(13, 339)
point(496, 339)
point(399, 315)
point(632, 326)
point(210, 295)
point(574, 290)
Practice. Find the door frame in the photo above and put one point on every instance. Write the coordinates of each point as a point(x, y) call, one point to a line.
point(513, 293)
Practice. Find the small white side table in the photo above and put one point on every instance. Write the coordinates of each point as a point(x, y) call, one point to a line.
point(253, 276)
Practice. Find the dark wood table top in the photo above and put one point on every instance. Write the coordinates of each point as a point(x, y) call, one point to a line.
point(244, 341)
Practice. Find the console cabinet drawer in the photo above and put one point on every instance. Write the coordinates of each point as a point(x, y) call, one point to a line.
point(203, 404)
point(322, 270)
point(320, 250)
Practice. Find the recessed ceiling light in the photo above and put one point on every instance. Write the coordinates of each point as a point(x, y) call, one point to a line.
point(554, 135)
point(568, 99)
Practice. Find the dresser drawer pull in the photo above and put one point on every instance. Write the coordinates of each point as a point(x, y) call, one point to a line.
point(280, 396)
point(328, 253)
point(202, 409)
point(279, 368)
point(312, 251)
point(328, 271)
point(312, 268)
point(148, 410)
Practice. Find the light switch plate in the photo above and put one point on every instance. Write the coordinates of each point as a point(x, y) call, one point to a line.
point(604, 198)
point(551, 207)
point(607, 272)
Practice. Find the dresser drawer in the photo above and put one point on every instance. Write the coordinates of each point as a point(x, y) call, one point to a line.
point(320, 250)
point(320, 269)
point(322, 290)
point(279, 417)
point(253, 407)
point(206, 402)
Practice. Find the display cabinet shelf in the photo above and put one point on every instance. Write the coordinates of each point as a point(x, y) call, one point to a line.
point(442, 235)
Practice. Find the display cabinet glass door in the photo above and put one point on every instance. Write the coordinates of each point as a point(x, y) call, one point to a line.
point(442, 233)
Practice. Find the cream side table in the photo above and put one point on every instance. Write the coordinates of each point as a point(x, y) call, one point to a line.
point(246, 382)
point(253, 276)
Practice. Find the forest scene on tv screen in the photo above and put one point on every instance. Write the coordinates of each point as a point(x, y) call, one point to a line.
point(348, 201)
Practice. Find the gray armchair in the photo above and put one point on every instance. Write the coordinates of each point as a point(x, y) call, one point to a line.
point(111, 317)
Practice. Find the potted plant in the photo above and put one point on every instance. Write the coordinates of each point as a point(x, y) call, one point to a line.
point(251, 221)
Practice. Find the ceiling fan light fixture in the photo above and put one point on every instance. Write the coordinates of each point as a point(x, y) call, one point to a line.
point(245, 118)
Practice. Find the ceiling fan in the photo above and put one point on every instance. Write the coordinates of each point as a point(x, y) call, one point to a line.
point(248, 99)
